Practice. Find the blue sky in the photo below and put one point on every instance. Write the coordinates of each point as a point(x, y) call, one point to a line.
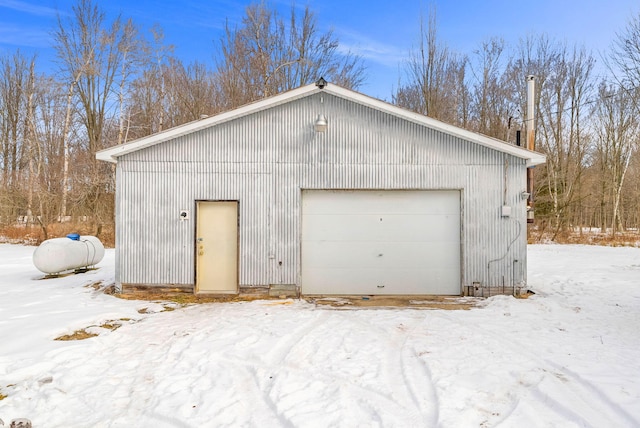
point(382, 32)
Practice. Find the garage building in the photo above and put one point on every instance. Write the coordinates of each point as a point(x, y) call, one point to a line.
point(321, 191)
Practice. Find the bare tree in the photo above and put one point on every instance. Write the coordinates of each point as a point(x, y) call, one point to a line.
point(624, 65)
point(92, 54)
point(267, 55)
point(562, 136)
point(173, 95)
point(161, 54)
point(16, 92)
point(491, 105)
point(564, 85)
point(191, 92)
point(13, 80)
point(48, 149)
point(624, 60)
point(617, 138)
point(30, 137)
point(33, 111)
point(131, 47)
point(147, 99)
point(435, 75)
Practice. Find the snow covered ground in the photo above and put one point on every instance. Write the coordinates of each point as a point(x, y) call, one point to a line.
point(568, 356)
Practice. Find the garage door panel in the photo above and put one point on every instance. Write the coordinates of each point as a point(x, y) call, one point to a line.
point(420, 228)
point(382, 281)
point(388, 255)
point(381, 242)
point(381, 227)
point(381, 202)
point(340, 227)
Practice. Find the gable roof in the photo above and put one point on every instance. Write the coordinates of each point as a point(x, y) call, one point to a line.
point(112, 153)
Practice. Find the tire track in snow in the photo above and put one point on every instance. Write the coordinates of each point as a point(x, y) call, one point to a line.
point(408, 389)
point(128, 373)
point(417, 392)
point(284, 346)
point(353, 392)
point(586, 391)
point(417, 378)
point(262, 396)
point(273, 361)
point(167, 421)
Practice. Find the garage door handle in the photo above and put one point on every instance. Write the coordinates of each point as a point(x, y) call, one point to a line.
point(380, 286)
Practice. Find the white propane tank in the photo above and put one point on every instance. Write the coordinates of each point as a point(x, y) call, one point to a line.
point(73, 252)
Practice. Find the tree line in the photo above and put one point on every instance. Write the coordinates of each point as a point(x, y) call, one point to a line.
point(113, 83)
point(586, 123)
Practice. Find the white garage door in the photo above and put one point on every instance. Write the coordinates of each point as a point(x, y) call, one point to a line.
point(380, 242)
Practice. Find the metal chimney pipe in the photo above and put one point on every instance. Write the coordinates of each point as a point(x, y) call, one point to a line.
point(531, 142)
point(531, 94)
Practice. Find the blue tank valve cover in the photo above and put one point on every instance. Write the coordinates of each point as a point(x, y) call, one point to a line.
point(74, 236)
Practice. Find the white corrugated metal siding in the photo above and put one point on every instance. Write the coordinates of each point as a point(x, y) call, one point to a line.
point(264, 160)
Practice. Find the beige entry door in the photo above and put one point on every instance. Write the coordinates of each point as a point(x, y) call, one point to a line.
point(217, 247)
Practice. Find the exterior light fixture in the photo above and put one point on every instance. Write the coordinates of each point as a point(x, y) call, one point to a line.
point(320, 124)
point(525, 195)
point(321, 83)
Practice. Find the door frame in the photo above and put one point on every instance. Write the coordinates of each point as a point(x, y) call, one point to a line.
point(195, 246)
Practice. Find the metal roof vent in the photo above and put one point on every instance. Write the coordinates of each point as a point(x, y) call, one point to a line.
point(321, 83)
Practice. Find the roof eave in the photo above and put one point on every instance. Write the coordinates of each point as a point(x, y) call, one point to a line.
point(112, 153)
point(536, 159)
point(532, 158)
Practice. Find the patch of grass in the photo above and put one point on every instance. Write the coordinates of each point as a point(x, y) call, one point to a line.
point(524, 295)
point(183, 299)
point(77, 335)
point(110, 325)
point(541, 233)
point(165, 308)
point(84, 334)
point(2, 396)
point(95, 285)
point(32, 235)
point(413, 302)
point(283, 302)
